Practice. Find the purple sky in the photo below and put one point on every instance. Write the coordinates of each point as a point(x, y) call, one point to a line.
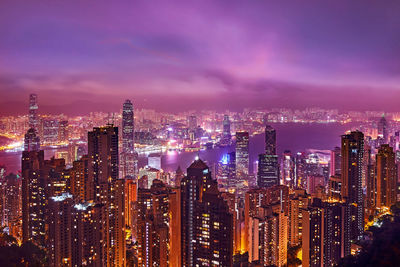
point(175, 55)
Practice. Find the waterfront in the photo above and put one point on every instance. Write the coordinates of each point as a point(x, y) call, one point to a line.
point(296, 137)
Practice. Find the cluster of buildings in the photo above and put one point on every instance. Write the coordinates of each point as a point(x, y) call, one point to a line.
point(101, 209)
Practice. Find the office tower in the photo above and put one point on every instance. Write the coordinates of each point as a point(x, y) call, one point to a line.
point(336, 161)
point(213, 230)
point(351, 188)
point(226, 131)
point(386, 177)
point(268, 170)
point(270, 140)
point(59, 220)
point(63, 132)
point(128, 127)
point(109, 190)
point(268, 236)
point(383, 129)
point(31, 141)
point(33, 197)
point(298, 201)
point(227, 170)
point(153, 225)
point(242, 156)
point(288, 169)
point(175, 227)
point(33, 116)
point(128, 155)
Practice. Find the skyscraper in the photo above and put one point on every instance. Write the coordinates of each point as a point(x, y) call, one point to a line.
point(31, 141)
point(192, 187)
point(268, 170)
point(128, 155)
point(386, 177)
point(336, 161)
point(352, 171)
point(268, 166)
point(383, 129)
point(33, 197)
point(153, 225)
point(270, 140)
point(33, 116)
point(207, 230)
point(242, 156)
point(226, 131)
point(109, 189)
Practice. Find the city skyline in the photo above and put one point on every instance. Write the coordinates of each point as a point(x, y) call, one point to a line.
point(208, 133)
point(254, 54)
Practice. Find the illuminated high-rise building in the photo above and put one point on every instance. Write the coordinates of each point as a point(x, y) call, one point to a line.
point(242, 156)
point(270, 140)
point(226, 131)
point(128, 127)
point(288, 170)
point(33, 197)
point(324, 237)
point(206, 223)
point(10, 203)
point(268, 166)
point(386, 177)
point(268, 170)
point(298, 201)
point(109, 189)
point(33, 116)
point(277, 196)
point(351, 187)
point(153, 225)
point(383, 129)
point(31, 141)
point(213, 230)
point(198, 179)
point(128, 155)
point(59, 220)
point(268, 236)
point(336, 161)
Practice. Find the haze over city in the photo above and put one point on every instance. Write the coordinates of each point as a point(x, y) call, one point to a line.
point(82, 57)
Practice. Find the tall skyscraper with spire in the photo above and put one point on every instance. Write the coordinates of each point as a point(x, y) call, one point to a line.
point(33, 116)
point(128, 155)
